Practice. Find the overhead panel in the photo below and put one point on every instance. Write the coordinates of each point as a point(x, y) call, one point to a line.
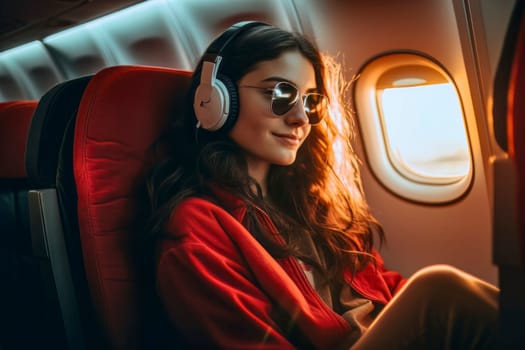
point(202, 20)
point(10, 87)
point(33, 68)
point(78, 51)
point(142, 34)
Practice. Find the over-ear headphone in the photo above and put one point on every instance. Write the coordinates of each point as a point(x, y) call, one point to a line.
point(216, 101)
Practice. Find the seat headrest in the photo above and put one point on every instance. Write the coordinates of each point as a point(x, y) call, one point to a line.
point(54, 111)
point(508, 60)
point(15, 118)
point(123, 111)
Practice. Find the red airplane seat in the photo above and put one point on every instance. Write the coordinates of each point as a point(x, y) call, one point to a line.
point(123, 111)
point(516, 125)
point(15, 120)
point(55, 240)
point(509, 181)
point(19, 290)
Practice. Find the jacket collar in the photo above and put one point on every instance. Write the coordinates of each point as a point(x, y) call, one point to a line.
point(230, 202)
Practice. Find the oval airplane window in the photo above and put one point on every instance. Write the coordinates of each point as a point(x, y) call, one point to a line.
point(413, 128)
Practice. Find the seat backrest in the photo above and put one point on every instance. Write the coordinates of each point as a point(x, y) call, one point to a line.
point(123, 111)
point(57, 249)
point(20, 290)
point(509, 181)
point(56, 109)
point(516, 123)
point(15, 120)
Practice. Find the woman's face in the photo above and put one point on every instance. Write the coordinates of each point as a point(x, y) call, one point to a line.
point(265, 137)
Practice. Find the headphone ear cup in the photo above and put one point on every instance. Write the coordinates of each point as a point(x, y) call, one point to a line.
point(211, 105)
point(217, 109)
point(232, 93)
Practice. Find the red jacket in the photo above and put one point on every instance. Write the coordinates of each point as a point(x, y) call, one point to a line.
point(222, 289)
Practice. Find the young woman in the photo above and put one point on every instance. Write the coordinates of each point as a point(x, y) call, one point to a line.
point(264, 237)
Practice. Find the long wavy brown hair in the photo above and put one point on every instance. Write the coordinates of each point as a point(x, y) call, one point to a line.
point(319, 195)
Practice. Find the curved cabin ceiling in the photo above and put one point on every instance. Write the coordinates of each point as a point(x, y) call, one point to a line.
point(22, 21)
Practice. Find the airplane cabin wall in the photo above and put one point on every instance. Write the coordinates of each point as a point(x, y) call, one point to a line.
point(453, 33)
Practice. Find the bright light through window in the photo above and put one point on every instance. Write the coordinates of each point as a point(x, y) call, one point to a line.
point(425, 132)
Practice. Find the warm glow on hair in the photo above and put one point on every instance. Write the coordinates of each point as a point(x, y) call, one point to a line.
point(346, 163)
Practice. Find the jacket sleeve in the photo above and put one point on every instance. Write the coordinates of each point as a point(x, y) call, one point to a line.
point(208, 290)
point(393, 279)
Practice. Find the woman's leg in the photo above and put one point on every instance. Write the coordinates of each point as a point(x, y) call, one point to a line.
point(440, 307)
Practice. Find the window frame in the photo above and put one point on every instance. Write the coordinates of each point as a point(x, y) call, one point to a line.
point(373, 133)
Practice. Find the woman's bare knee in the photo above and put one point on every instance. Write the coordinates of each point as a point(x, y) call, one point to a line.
point(445, 284)
point(438, 276)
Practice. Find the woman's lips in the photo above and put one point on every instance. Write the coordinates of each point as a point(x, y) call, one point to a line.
point(288, 139)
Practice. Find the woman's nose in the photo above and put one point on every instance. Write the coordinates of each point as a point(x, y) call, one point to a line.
point(297, 114)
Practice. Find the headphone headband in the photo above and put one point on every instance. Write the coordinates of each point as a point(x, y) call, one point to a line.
point(219, 44)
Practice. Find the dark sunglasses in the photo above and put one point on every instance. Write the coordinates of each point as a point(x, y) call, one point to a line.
point(285, 96)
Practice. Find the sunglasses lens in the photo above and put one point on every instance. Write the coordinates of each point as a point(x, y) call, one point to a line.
point(284, 98)
point(315, 106)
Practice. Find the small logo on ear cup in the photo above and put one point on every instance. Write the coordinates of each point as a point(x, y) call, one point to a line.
point(212, 105)
point(205, 102)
